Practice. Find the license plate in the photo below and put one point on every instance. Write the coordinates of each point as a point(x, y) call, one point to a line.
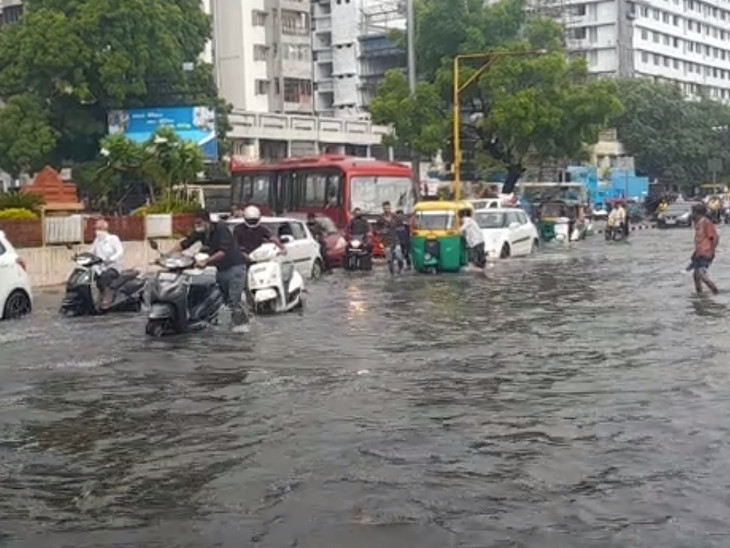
point(167, 276)
point(671, 221)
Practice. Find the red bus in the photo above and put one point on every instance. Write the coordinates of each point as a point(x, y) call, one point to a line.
point(329, 185)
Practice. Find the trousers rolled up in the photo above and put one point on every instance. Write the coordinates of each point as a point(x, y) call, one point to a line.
point(232, 283)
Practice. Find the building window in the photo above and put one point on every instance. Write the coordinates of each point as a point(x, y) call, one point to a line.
point(294, 23)
point(258, 18)
point(11, 14)
point(644, 57)
point(297, 52)
point(260, 53)
point(644, 34)
point(297, 91)
point(262, 87)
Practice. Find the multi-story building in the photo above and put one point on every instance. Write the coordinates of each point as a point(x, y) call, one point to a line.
point(352, 52)
point(681, 41)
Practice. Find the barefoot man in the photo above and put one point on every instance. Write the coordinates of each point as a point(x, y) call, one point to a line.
point(706, 240)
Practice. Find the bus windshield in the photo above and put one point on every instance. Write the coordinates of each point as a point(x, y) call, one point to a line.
point(369, 192)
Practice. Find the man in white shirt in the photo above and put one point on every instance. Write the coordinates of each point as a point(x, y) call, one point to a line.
point(109, 249)
point(474, 238)
point(617, 217)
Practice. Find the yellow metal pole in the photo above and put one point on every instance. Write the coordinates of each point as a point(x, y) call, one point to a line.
point(457, 133)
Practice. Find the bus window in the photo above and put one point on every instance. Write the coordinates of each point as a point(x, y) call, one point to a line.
point(322, 190)
point(368, 193)
point(251, 189)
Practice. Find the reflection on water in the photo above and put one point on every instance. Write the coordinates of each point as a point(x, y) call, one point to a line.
point(573, 399)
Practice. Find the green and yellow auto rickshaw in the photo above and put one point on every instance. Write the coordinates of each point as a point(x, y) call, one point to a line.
point(436, 242)
point(562, 220)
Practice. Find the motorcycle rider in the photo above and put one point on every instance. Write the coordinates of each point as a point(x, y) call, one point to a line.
point(617, 218)
point(318, 233)
point(226, 257)
point(387, 226)
point(109, 248)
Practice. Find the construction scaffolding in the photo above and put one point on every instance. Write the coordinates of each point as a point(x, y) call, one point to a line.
point(378, 16)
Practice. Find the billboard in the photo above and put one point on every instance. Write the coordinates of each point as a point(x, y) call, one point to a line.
point(196, 124)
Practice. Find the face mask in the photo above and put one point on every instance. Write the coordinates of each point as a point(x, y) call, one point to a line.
point(101, 233)
point(199, 229)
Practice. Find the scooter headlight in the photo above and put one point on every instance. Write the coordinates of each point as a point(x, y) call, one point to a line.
point(355, 244)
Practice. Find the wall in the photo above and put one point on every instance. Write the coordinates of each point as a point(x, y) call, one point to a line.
point(49, 266)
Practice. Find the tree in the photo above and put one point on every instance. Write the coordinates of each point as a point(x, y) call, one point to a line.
point(527, 105)
point(83, 58)
point(163, 163)
point(26, 138)
point(418, 121)
point(671, 138)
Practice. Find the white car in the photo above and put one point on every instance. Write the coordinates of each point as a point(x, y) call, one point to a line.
point(301, 247)
point(508, 232)
point(16, 297)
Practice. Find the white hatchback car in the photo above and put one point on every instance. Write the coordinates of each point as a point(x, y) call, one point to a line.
point(16, 297)
point(301, 247)
point(508, 232)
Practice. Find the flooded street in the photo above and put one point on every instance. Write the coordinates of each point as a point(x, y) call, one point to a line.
point(576, 399)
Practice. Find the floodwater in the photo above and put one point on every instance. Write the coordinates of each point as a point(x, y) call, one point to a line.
point(577, 399)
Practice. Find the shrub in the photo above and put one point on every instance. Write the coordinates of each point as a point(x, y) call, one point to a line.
point(21, 200)
point(17, 214)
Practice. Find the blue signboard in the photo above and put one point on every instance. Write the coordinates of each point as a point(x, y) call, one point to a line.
point(196, 124)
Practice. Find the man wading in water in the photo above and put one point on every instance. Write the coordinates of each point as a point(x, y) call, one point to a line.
point(706, 240)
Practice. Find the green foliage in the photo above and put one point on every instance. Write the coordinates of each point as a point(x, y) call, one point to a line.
point(18, 214)
point(21, 200)
point(26, 138)
point(83, 58)
point(173, 203)
point(418, 120)
point(162, 163)
point(671, 138)
point(531, 103)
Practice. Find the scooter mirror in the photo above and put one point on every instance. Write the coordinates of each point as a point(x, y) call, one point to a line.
point(153, 244)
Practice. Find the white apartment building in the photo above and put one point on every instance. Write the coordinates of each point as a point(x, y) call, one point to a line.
point(681, 41)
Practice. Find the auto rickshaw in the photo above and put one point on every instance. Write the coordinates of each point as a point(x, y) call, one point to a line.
point(562, 220)
point(436, 242)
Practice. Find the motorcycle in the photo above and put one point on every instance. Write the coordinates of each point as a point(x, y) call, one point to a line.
point(83, 294)
point(273, 286)
point(182, 297)
point(358, 256)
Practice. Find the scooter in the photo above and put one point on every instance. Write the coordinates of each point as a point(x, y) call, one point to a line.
point(182, 298)
point(357, 255)
point(274, 286)
point(614, 232)
point(82, 293)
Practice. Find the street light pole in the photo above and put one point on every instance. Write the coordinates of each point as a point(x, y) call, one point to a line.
point(411, 47)
point(490, 57)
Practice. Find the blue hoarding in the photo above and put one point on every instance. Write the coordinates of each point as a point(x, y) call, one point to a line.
point(196, 124)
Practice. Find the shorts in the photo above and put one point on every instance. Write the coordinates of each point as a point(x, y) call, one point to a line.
point(701, 264)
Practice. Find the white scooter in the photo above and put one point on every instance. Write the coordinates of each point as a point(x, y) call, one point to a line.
point(274, 285)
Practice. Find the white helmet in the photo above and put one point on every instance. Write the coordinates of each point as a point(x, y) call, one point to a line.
point(252, 215)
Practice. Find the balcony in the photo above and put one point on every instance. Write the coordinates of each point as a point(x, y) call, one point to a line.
point(325, 86)
point(324, 56)
point(299, 127)
point(324, 24)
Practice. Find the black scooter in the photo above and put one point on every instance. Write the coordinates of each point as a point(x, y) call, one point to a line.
point(358, 255)
point(180, 299)
point(79, 300)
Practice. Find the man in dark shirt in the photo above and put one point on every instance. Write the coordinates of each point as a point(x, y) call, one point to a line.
point(250, 235)
point(404, 235)
point(387, 226)
point(226, 257)
point(359, 225)
point(318, 234)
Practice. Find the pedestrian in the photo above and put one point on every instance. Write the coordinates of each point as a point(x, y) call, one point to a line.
point(404, 236)
point(387, 226)
point(474, 239)
point(706, 240)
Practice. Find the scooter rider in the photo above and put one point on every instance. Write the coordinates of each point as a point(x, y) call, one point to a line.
point(250, 234)
point(360, 227)
point(227, 258)
point(109, 249)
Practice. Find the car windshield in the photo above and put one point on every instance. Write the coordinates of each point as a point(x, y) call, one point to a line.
point(369, 192)
point(490, 220)
point(327, 225)
point(679, 209)
point(434, 220)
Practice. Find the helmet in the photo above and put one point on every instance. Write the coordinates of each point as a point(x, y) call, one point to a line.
point(252, 215)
